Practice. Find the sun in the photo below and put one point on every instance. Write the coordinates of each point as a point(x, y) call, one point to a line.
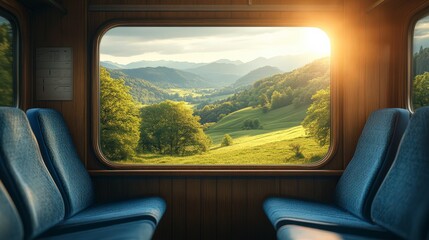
point(318, 41)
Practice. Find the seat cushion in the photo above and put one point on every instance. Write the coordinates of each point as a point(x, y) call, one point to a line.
point(25, 175)
point(10, 223)
point(61, 158)
point(295, 232)
point(403, 193)
point(150, 209)
point(282, 211)
point(136, 230)
point(373, 157)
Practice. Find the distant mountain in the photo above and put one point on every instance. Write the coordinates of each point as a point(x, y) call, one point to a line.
point(111, 65)
point(236, 62)
point(256, 75)
point(141, 90)
point(219, 74)
point(144, 64)
point(285, 63)
point(167, 77)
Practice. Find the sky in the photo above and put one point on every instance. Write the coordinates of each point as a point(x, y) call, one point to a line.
point(124, 45)
point(421, 34)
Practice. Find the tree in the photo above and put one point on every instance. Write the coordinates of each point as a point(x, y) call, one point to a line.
point(317, 122)
point(226, 141)
point(6, 66)
point(171, 128)
point(276, 100)
point(421, 90)
point(119, 118)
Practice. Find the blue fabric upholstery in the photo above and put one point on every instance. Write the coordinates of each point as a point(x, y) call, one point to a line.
point(61, 159)
point(403, 194)
point(295, 232)
point(136, 230)
point(373, 157)
point(10, 224)
point(72, 177)
point(112, 213)
point(355, 190)
point(26, 177)
point(283, 211)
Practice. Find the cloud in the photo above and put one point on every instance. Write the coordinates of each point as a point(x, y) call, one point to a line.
point(203, 43)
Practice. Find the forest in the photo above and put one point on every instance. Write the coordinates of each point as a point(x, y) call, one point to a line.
point(6, 66)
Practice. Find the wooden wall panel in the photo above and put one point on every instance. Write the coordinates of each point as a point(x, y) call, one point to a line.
point(213, 207)
point(50, 28)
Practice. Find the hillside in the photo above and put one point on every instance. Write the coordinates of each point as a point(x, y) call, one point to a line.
point(282, 118)
point(166, 77)
point(255, 75)
point(296, 87)
point(219, 73)
point(141, 90)
point(270, 145)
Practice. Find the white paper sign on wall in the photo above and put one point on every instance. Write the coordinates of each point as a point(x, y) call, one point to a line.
point(54, 74)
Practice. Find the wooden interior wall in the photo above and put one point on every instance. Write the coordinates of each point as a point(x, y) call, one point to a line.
point(51, 28)
point(372, 75)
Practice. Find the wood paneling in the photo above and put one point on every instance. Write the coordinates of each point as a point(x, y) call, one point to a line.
point(215, 207)
point(50, 28)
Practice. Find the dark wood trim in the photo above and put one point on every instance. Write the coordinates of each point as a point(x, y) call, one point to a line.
point(335, 100)
point(215, 8)
point(216, 172)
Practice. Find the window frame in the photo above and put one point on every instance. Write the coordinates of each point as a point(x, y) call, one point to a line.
point(225, 169)
point(16, 47)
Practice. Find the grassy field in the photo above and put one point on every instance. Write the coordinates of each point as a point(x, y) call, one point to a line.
point(270, 145)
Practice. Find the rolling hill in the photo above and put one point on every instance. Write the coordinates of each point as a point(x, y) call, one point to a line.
point(166, 77)
point(256, 75)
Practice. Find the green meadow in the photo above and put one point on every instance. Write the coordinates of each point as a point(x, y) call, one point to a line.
point(269, 145)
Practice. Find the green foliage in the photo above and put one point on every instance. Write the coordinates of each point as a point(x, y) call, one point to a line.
point(279, 100)
point(296, 149)
point(119, 118)
point(421, 61)
point(142, 91)
point(296, 87)
point(421, 90)
point(318, 120)
point(249, 124)
point(170, 128)
point(226, 141)
point(6, 66)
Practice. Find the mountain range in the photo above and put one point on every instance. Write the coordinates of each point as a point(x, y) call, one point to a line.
point(217, 74)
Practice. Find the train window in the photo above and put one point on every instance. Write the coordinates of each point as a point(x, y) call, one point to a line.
point(420, 63)
point(214, 95)
point(8, 60)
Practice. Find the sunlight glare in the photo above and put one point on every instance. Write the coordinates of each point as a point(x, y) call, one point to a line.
point(318, 41)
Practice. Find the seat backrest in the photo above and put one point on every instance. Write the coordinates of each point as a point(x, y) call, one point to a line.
point(11, 225)
point(374, 154)
point(61, 158)
point(403, 195)
point(25, 176)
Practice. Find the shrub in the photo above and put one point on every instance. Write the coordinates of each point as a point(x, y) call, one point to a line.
point(296, 149)
point(226, 141)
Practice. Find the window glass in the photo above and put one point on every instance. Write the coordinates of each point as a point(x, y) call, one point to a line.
point(7, 62)
point(420, 63)
point(214, 95)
